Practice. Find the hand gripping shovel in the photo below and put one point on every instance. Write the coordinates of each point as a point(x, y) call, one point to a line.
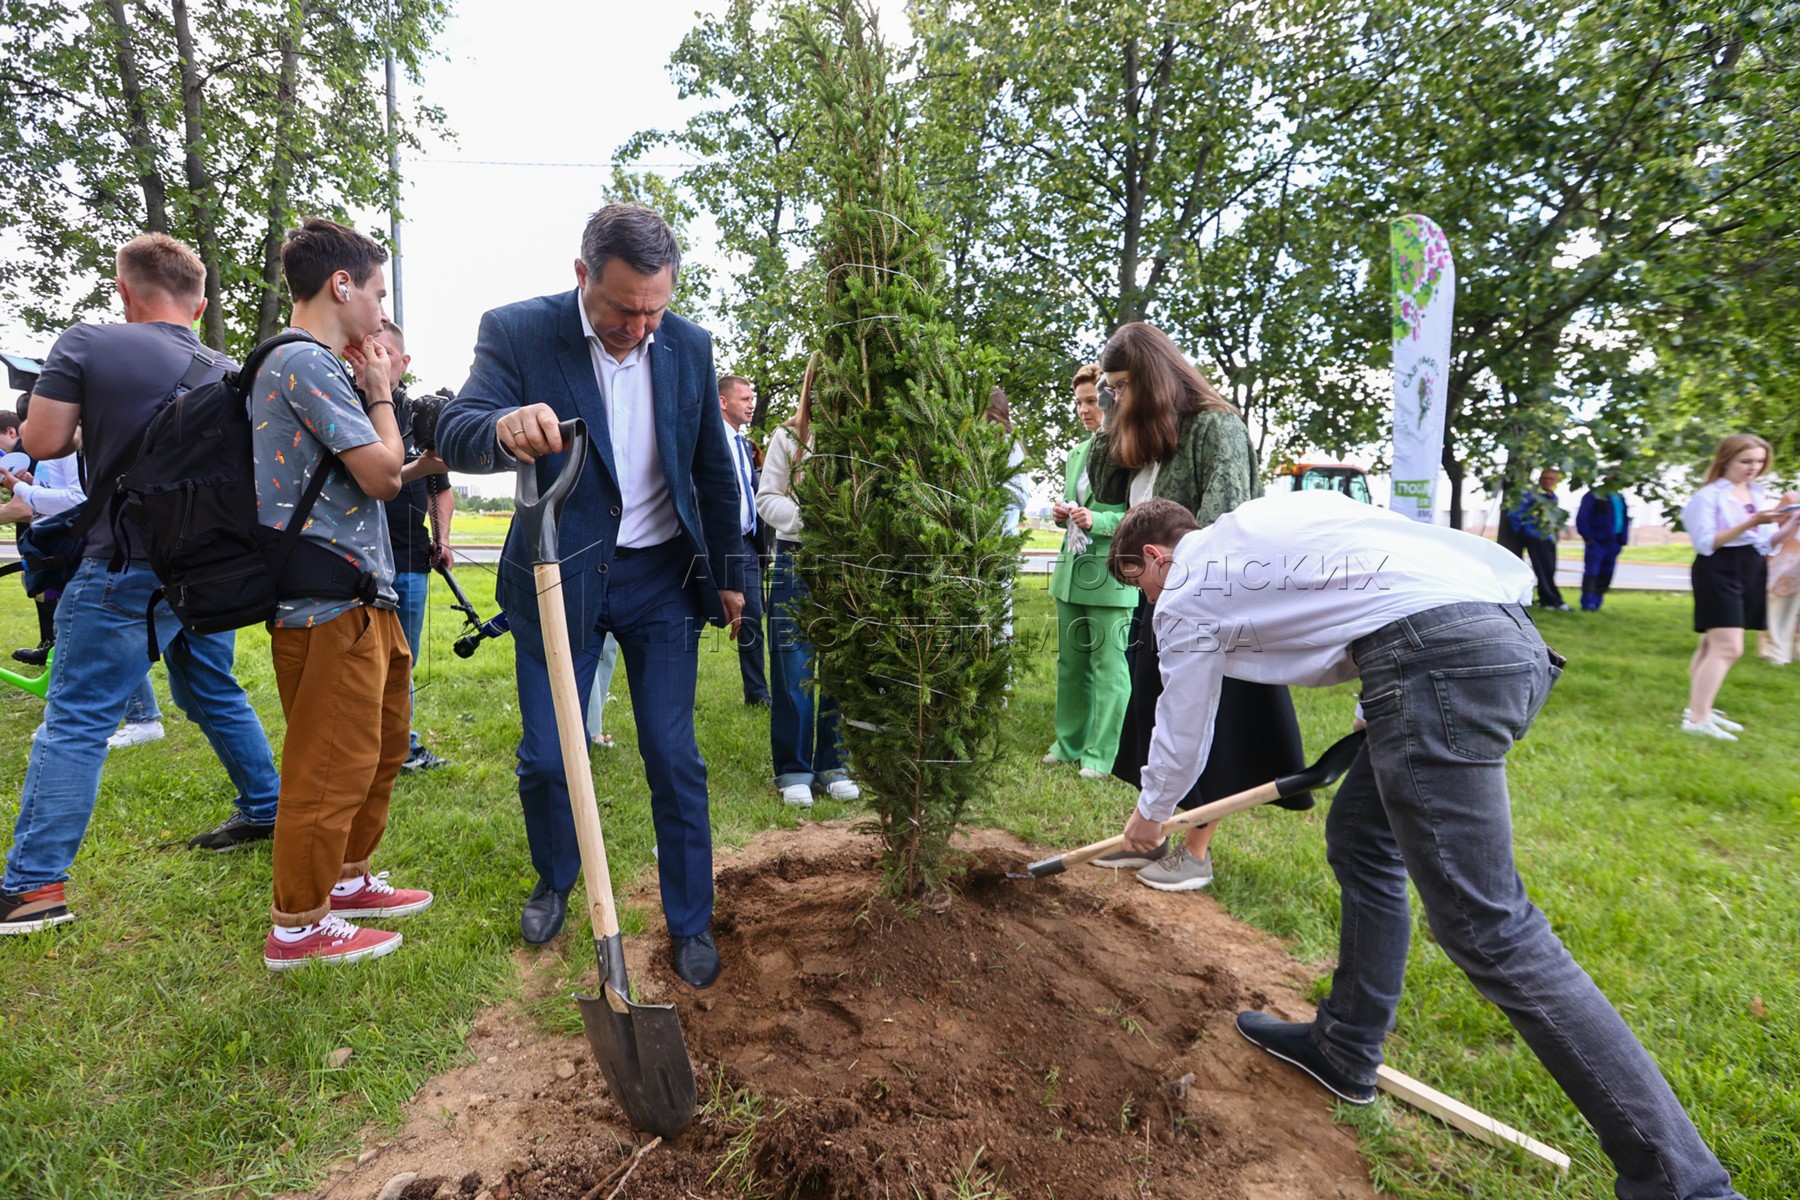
point(1331, 765)
point(639, 1046)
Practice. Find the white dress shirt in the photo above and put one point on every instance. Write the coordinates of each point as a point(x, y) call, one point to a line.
point(56, 487)
point(1276, 590)
point(1715, 508)
point(742, 467)
point(647, 514)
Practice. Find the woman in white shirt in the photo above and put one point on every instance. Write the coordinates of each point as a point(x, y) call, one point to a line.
point(1733, 534)
point(803, 730)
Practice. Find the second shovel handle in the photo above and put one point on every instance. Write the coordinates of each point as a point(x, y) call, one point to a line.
point(571, 731)
point(1206, 814)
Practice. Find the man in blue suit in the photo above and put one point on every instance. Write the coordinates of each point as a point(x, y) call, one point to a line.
point(649, 540)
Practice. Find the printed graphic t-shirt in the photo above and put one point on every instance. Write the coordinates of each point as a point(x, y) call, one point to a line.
point(303, 404)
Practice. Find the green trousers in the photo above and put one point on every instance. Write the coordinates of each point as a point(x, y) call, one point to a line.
point(1093, 684)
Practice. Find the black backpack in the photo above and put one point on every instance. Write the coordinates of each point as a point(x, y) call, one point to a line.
point(192, 499)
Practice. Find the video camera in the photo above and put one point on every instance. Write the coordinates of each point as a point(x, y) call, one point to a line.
point(22, 372)
point(423, 412)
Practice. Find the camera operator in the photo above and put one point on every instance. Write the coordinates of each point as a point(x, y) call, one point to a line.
point(418, 520)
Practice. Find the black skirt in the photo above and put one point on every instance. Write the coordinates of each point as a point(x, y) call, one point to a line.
point(1731, 589)
point(1256, 738)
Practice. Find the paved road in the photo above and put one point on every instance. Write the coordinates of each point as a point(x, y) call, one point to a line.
point(1649, 577)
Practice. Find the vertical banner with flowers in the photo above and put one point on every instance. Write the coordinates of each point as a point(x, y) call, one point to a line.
point(1424, 300)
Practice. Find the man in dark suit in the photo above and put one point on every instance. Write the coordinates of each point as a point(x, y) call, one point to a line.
point(649, 540)
point(737, 404)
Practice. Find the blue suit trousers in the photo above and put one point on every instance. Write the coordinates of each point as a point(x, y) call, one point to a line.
point(656, 617)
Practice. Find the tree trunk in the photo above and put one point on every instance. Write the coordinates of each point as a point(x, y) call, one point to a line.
point(138, 134)
point(199, 179)
point(281, 177)
point(1454, 469)
point(1130, 302)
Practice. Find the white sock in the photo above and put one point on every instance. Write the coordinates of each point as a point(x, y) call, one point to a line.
point(292, 933)
point(348, 886)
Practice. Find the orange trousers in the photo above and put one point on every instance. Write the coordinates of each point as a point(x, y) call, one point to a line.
point(343, 688)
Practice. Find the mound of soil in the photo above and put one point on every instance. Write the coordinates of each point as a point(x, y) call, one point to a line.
point(1065, 1038)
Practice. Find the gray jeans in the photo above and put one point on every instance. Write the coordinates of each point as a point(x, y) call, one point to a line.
point(1446, 693)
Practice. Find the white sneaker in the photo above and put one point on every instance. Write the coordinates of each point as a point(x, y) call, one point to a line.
point(797, 794)
point(843, 789)
point(1051, 759)
point(136, 734)
point(1090, 773)
point(1707, 729)
point(1718, 718)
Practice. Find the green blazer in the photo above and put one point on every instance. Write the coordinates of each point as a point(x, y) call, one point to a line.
point(1212, 472)
point(1082, 578)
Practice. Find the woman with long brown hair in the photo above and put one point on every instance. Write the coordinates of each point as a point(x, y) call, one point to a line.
point(1171, 435)
point(1733, 535)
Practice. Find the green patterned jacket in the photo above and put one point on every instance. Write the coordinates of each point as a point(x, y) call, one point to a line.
point(1212, 472)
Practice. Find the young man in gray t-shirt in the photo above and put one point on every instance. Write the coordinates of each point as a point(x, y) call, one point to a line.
point(342, 666)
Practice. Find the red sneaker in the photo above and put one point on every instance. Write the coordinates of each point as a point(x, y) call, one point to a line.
point(39, 908)
point(333, 940)
point(379, 898)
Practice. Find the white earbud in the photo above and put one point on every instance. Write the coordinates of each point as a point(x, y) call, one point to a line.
point(343, 291)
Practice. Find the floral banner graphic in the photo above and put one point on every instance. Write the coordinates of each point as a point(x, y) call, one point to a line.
point(1424, 300)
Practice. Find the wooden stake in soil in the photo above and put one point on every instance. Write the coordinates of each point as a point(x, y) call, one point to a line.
point(1476, 1124)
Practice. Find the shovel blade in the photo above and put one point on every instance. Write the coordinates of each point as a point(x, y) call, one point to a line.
point(641, 1052)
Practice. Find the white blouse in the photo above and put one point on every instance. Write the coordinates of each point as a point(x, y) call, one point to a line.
point(1715, 508)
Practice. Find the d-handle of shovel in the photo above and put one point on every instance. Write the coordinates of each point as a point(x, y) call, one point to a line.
point(1330, 767)
point(536, 514)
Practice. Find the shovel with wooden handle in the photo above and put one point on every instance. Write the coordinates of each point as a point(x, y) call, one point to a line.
point(1331, 766)
point(639, 1046)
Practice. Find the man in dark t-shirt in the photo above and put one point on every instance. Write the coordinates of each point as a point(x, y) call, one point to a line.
point(418, 521)
point(105, 381)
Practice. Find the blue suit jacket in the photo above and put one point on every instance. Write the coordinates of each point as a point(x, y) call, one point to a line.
point(534, 352)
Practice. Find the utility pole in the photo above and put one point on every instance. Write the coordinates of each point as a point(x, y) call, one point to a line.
point(393, 112)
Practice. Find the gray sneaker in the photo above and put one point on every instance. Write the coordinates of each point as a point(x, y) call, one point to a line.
point(1179, 872)
point(1131, 860)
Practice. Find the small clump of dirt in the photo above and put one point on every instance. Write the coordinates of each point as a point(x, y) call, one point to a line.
point(1068, 1037)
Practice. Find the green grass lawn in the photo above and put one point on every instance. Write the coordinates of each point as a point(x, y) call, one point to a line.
point(147, 1052)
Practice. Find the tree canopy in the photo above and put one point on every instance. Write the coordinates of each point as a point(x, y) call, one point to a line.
point(1618, 182)
point(217, 121)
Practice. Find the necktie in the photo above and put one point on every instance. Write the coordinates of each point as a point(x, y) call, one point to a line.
point(746, 481)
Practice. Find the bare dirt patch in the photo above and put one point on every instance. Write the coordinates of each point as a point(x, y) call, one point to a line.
point(1066, 1038)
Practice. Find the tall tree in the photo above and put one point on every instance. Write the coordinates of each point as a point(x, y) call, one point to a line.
point(903, 492)
point(1146, 161)
point(752, 173)
point(1577, 154)
point(218, 121)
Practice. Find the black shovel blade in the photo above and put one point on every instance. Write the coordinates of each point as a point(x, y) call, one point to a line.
point(644, 1059)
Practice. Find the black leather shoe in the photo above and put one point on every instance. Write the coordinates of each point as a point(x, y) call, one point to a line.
point(696, 960)
point(543, 915)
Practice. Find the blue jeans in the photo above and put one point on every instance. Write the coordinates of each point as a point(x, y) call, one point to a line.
point(1446, 693)
point(413, 587)
point(803, 737)
point(100, 661)
point(141, 707)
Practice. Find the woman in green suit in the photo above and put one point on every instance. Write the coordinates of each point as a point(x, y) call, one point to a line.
point(1093, 610)
point(1172, 436)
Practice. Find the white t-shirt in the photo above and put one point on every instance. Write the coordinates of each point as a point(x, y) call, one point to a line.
point(1276, 590)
